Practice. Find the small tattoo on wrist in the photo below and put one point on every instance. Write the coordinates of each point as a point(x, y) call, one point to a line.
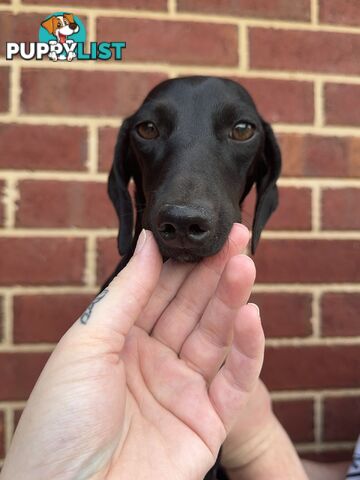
point(86, 315)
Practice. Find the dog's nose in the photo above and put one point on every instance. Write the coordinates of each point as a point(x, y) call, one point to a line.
point(183, 226)
point(73, 26)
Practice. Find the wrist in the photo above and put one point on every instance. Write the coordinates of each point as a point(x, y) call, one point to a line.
point(270, 455)
point(250, 447)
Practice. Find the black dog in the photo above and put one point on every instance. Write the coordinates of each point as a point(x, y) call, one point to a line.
point(194, 149)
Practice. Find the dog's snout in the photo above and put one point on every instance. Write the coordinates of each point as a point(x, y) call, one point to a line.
point(73, 26)
point(183, 226)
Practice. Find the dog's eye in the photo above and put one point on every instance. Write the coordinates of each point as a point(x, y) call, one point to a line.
point(147, 130)
point(59, 25)
point(242, 131)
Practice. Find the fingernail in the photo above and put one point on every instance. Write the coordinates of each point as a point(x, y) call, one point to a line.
point(256, 307)
point(141, 241)
point(241, 226)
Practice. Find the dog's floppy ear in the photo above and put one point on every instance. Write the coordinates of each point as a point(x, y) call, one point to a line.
point(124, 168)
point(49, 24)
point(266, 175)
point(70, 17)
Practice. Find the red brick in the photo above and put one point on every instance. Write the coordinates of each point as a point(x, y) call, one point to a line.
point(107, 140)
point(338, 209)
point(42, 147)
point(172, 42)
point(299, 50)
point(340, 314)
point(45, 318)
point(342, 12)
point(297, 417)
point(20, 27)
point(285, 314)
point(272, 9)
point(342, 418)
point(342, 104)
point(64, 204)
point(19, 372)
point(307, 261)
point(37, 261)
point(4, 89)
point(289, 368)
point(128, 4)
point(317, 156)
point(107, 258)
point(285, 101)
point(2, 434)
point(67, 92)
point(2, 194)
point(330, 455)
point(1, 318)
point(293, 212)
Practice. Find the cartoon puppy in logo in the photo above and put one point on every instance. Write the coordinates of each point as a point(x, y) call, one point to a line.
point(61, 26)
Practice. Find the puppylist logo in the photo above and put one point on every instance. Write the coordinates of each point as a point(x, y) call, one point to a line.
point(62, 37)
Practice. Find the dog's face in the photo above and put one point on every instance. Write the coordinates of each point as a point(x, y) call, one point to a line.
point(61, 26)
point(194, 148)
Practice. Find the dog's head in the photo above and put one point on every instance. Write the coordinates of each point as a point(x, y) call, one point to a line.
point(194, 148)
point(61, 25)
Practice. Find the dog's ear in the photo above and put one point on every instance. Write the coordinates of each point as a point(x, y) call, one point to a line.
point(267, 172)
point(124, 168)
point(69, 17)
point(49, 24)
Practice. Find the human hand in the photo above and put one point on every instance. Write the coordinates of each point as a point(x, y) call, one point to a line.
point(138, 391)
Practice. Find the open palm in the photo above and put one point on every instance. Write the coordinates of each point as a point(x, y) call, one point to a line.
point(140, 390)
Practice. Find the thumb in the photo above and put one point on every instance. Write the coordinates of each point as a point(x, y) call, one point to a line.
point(118, 306)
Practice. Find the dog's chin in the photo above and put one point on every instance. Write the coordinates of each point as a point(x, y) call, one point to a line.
point(184, 255)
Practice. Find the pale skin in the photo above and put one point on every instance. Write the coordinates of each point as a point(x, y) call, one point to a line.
point(139, 391)
point(136, 387)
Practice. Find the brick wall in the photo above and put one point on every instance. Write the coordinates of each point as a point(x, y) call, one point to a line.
point(300, 60)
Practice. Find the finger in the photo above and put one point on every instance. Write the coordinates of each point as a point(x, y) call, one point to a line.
point(230, 389)
point(186, 308)
point(117, 307)
point(208, 344)
point(171, 278)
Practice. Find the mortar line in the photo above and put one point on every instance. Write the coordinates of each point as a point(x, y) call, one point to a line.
point(316, 208)
point(91, 26)
point(192, 17)
point(319, 120)
point(258, 288)
point(327, 446)
point(311, 394)
point(313, 342)
point(9, 427)
point(90, 262)
point(15, 90)
point(316, 315)
point(171, 7)
point(314, 6)
point(189, 69)
point(8, 320)
point(42, 347)
point(46, 290)
point(101, 177)
point(16, 5)
point(243, 48)
point(10, 198)
point(112, 232)
point(93, 149)
point(318, 418)
point(13, 404)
